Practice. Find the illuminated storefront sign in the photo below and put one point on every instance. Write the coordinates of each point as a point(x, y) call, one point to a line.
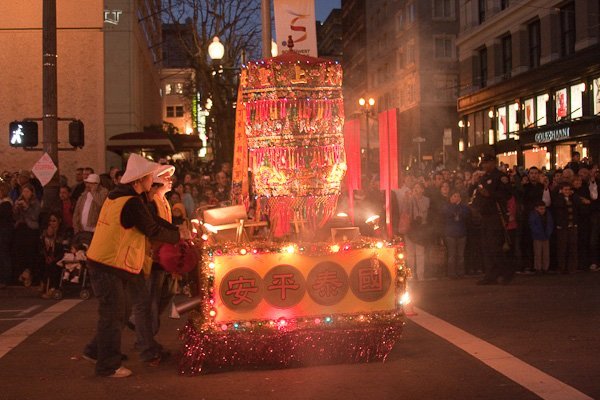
point(553, 135)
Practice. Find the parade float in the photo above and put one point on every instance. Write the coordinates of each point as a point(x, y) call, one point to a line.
point(293, 297)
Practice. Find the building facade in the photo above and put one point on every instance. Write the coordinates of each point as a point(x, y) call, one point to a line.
point(409, 63)
point(329, 36)
point(106, 71)
point(529, 80)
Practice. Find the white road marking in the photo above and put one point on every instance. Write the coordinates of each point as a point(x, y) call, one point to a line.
point(17, 334)
point(531, 378)
point(27, 310)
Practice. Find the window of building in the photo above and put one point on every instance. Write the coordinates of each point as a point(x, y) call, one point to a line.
point(561, 104)
point(444, 47)
point(482, 9)
point(465, 15)
point(400, 20)
point(443, 9)
point(535, 43)
point(513, 117)
point(528, 113)
point(567, 29)
point(410, 52)
point(445, 87)
point(400, 58)
point(179, 88)
point(506, 56)
point(540, 108)
point(501, 127)
point(170, 112)
point(576, 100)
point(410, 13)
point(483, 67)
point(596, 85)
point(503, 4)
point(179, 111)
point(168, 88)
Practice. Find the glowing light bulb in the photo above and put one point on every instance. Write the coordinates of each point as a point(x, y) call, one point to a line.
point(243, 252)
point(335, 248)
point(379, 245)
point(212, 312)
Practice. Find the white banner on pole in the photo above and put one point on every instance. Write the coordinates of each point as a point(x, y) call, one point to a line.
point(296, 18)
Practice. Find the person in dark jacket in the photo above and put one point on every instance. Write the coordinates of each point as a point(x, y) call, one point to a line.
point(541, 227)
point(455, 215)
point(6, 234)
point(118, 253)
point(565, 207)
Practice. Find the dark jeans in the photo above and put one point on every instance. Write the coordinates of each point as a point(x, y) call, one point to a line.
point(143, 318)
point(159, 297)
point(566, 251)
point(595, 238)
point(5, 257)
point(456, 255)
point(105, 347)
point(494, 258)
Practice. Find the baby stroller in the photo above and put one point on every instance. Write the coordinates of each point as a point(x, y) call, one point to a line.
point(74, 273)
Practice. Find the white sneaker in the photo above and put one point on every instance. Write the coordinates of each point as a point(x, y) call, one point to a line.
point(122, 372)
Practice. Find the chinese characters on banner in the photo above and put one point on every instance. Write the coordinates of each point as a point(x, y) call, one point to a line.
point(304, 286)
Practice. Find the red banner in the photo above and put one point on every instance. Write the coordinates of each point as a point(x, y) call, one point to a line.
point(352, 147)
point(388, 160)
point(240, 184)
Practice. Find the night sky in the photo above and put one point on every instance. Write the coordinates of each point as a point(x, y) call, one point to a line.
point(324, 7)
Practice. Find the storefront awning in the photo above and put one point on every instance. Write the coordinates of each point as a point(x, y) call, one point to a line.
point(135, 141)
point(186, 142)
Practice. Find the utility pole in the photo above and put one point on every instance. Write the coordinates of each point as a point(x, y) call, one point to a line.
point(50, 106)
point(266, 25)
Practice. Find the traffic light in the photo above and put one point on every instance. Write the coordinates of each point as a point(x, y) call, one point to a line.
point(76, 134)
point(23, 134)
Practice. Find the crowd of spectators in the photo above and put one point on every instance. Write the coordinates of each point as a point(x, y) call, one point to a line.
point(550, 219)
point(33, 239)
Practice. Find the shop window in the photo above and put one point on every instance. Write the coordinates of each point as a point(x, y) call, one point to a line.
point(471, 130)
point(528, 114)
point(501, 127)
point(561, 104)
point(479, 128)
point(179, 88)
point(541, 102)
point(513, 117)
point(168, 88)
point(576, 100)
point(596, 85)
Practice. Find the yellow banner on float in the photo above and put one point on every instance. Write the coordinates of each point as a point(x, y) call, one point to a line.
point(282, 285)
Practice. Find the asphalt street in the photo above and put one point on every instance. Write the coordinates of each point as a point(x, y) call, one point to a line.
point(548, 326)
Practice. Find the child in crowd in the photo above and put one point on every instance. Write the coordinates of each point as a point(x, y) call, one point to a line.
point(71, 263)
point(541, 226)
point(455, 215)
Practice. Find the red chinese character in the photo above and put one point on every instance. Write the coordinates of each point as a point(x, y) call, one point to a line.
point(369, 280)
point(327, 283)
point(283, 282)
point(240, 288)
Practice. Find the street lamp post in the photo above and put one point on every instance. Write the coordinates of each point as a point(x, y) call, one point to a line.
point(367, 109)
